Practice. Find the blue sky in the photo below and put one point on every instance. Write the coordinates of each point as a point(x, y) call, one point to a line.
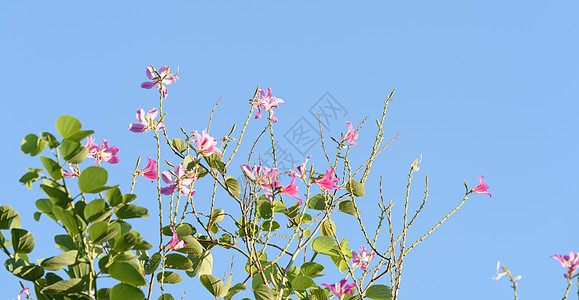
point(481, 88)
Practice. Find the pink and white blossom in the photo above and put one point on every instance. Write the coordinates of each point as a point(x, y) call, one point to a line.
point(362, 258)
point(340, 288)
point(351, 135)
point(292, 189)
point(159, 79)
point(302, 168)
point(328, 182)
point(571, 262)
point(74, 171)
point(22, 293)
point(266, 101)
point(183, 181)
point(481, 187)
point(205, 143)
point(149, 171)
point(175, 243)
point(103, 153)
point(147, 121)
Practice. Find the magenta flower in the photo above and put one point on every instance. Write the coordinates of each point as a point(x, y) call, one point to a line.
point(205, 143)
point(106, 153)
point(175, 243)
point(571, 262)
point(146, 121)
point(149, 171)
point(266, 101)
point(263, 176)
point(302, 168)
point(74, 171)
point(160, 79)
point(24, 291)
point(340, 288)
point(328, 182)
point(183, 181)
point(481, 187)
point(351, 135)
point(292, 189)
point(361, 259)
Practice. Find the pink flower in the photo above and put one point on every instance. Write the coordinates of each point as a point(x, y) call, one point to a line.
point(24, 291)
point(481, 187)
point(361, 259)
point(351, 135)
point(183, 181)
point(160, 79)
point(266, 101)
point(175, 243)
point(328, 182)
point(292, 189)
point(205, 143)
point(149, 171)
point(302, 168)
point(146, 121)
point(74, 171)
point(106, 153)
point(571, 262)
point(340, 288)
point(263, 176)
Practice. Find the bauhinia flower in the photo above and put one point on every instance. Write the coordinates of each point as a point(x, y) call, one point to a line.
point(74, 171)
point(104, 153)
point(361, 259)
point(263, 176)
point(147, 121)
point(340, 288)
point(292, 189)
point(160, 79)
point(266, 101)
point(149, 171)
point(328, 182)
point(351, 135)
point(571, 262)
point(22, 293)
point(302, 168)
point(506, 272)
point(482, 187)
point(183, 180)
point(205, 143)
point(175, 243)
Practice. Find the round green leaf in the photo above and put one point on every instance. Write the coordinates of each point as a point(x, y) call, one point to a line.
point(317, 202)
point(93, 209)
point(52, 167)
point(348, 207)
point(233, 186)
point(379, 292)
point(169, 277)
point(69, 128)
point(30, 272)
point(166, 297)
point(92, 180)
point(126, 292)
point(114, 196)
point(179, 145)
point(64, 287)
point(328, 228)
point(312, 269)
point(127, 272)
point(323, 244)
point(32, 145)
point(8, 217)
point(213, 284)
point(302, 283)
point(177, 261)
point(22, 240)
point(131, 211)
point(356, 188)
point(58, 262)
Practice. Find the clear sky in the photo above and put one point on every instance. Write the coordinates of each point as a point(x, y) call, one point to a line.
point(482, 87)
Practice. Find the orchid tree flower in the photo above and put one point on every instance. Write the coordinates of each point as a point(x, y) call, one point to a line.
point(104, 153)
point(506, 272)
point(263, 176)
point(351, 135)
point(147, 121)
point(266, 101)
point(340, 288)
point(159, 79)
point(571, 262)
point(175, 243)
point(183, 180)
point(149, 171)
point(205, 143)
point(362, 258)
point(481, 187)
point(302, 168)
point(328, 182)
point(292, 189)
point(74, 171)
point(23, 292)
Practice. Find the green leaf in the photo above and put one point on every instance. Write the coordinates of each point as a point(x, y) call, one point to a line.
point(98, 229)
point(52, 167)
point(58, 262)
point(128, 198)
point(50, 140)
point(169, 277)
point(264, 209)
point(92, 180)
point(69, 128)
point(379, 292)
point(57, 196)
point(177, 261)
point(94, 209)
point(126, 292)
point(323, 244)
point(179, 145)
point(8, 217)
point(114, 196)
point(22, 240)
point(193, 246)
point(32, 145)
point(182, 230)
point(127, 272)
point(320, 294)
point(64, 287)
point(105, 237)
point(166, 297)
point(348, 207)
point(202, 264)
point(270, 225)
point(328, 228)
point(234, 290)
point(262, 292)
point(356, 188)
point(37, 216)
point(189, 163)
point(29, 178)
point(29, 272)
point(104, 294)
point(152, 264)
point(213, 284)
point(125, 242)
point(317, 202)
point(45, 206)
point(131, 211)
point(214, 161)
point(65, 243)
point(302, 283)
point(67, 218)
point(73, 152)
point(233, 186)
point(312, 269)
